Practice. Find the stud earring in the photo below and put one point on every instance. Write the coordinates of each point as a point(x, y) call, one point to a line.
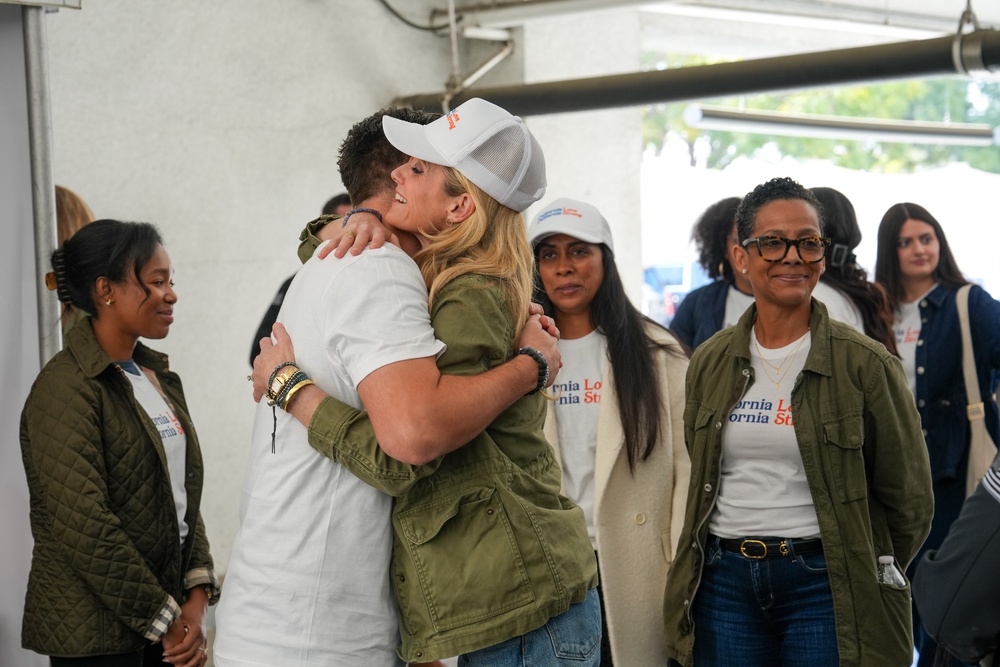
point(110, 300)
point(744, 271)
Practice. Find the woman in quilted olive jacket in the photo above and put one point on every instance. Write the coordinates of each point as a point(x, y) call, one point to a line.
point(121, 573)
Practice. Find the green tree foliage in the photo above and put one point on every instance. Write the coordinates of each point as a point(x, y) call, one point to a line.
point(954, 99)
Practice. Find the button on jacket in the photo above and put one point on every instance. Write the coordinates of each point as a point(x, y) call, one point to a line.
point(866, 464)
point(107, 543)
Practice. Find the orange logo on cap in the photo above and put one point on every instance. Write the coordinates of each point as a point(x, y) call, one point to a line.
point(572, 211)
point(452, 119)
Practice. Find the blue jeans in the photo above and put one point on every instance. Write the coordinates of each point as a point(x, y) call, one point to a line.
point(771, 611)
point(571, 639)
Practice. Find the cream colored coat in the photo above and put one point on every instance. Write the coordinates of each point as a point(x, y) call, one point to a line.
point(638, 518)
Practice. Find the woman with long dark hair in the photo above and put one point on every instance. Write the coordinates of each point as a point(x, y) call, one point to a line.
point(121, 573)
point(615, 424)
point(916, 267)
point(843, 273)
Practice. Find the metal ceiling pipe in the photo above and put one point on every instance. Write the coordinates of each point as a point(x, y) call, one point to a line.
point(977, 51)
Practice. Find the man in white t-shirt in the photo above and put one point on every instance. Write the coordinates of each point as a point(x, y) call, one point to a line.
point(308, 577)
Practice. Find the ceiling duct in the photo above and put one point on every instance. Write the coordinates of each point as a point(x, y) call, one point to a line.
point(758, 121)
point(973, 52)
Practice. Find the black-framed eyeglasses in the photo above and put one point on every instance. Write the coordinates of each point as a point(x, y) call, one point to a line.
point(775, 248)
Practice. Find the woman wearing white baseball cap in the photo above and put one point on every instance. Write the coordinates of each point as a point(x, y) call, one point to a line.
point(489, 561)
point(616, 424)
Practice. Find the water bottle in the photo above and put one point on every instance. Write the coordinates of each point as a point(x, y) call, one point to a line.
point(889, 574)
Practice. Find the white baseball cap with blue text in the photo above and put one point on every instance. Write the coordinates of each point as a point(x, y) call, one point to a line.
point(573, 218)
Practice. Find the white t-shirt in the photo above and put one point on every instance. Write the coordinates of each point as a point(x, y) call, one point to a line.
point(736, 304)
point(839, 306)
point(907, 326)
point(580, 387)
point(171, 434)
point(763, 490)
point(308, 578)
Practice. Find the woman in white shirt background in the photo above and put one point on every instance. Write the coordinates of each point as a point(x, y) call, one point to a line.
point(615, 424)
point(844, 287)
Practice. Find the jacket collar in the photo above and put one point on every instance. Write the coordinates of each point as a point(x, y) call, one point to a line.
point(93, 360)
point(819, 359)
point(938, 295)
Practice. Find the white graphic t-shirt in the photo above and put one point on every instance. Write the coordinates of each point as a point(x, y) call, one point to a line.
point(907, 327)
point(763, 488)
point(580, 386)
point(171, 433)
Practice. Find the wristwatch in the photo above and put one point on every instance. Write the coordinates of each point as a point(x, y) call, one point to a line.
point(543, 367)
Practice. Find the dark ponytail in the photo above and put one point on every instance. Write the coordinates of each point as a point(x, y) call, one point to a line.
point(107, 248)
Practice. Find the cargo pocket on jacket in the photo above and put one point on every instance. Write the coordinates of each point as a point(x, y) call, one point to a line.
point(466, 558)
point(846, 455)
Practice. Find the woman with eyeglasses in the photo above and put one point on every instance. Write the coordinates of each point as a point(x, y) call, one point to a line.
point(807, 466)
point(916, 267)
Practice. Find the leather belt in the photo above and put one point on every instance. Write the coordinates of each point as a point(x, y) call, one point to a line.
point(757, 548)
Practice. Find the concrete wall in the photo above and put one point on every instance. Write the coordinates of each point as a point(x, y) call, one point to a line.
point(593, 156)
point(219, 121)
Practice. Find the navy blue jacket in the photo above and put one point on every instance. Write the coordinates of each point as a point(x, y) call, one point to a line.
point(700, 314)
point(941, 399)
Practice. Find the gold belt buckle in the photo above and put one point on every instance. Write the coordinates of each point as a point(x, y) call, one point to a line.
point(743, 549)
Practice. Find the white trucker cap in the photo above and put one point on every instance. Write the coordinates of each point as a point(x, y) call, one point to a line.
point(492, 148)
point(573, 218)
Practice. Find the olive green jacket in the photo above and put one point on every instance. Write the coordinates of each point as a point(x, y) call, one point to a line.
point(485, 548)
point(866, 463)
point(107, 544)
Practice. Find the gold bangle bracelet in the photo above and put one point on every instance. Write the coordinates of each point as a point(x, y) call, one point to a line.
point(292, 392)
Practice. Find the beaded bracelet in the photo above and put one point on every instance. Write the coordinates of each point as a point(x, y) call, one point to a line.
point(296, 377)
point(279, 378)
point(543, 367)
point(347, 216)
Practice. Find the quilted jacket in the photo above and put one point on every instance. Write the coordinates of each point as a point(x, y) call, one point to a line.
point(107, 545)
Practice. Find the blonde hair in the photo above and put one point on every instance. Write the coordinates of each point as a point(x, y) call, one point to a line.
point(72, 213)
point(491, 242)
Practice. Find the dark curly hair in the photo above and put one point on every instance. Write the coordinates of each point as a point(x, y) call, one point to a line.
point(709, 236)
point(776, 189)
point(366, 157)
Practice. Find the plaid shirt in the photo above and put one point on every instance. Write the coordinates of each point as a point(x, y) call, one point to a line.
point(170, 610)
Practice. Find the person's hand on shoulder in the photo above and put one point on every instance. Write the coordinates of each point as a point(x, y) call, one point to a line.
point(359, 230)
